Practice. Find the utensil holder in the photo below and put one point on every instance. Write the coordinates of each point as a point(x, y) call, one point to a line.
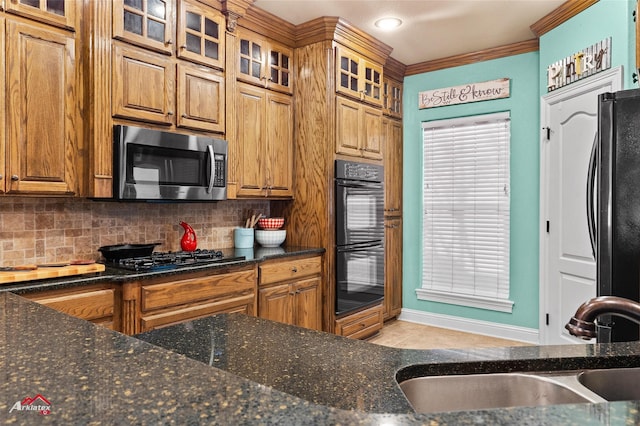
point(243, 237)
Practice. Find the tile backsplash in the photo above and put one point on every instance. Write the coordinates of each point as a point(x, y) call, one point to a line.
point(41, 230)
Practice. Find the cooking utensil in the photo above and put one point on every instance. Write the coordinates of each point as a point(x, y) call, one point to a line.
point(124, 251)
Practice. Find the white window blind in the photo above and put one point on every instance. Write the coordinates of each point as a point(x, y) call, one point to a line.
point(466, 212)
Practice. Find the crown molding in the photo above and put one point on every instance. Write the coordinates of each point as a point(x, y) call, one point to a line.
point(473, 57)
point(560, 15)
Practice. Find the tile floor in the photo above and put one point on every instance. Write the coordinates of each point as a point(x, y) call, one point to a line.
point(408, 335)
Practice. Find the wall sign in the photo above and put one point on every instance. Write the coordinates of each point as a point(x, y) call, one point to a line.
point(584, 63)
point(467, 93)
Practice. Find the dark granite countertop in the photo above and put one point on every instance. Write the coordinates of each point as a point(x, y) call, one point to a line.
point(234, 369)
point(252, 256)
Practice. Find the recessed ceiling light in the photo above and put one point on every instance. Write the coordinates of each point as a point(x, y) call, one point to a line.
point(388, 23)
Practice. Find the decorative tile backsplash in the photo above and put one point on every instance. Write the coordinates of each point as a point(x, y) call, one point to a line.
point(41, 230)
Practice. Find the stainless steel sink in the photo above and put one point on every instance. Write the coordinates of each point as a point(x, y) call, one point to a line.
point(500, 390)
point(616, 384)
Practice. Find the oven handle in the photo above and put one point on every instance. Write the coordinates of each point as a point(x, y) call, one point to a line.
point(359, 246)
point(213, 168)
point(358, 184)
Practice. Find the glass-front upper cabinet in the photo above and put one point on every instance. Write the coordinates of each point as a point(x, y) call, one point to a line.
point(201, 34)
point(61, 13)
point(358, 77)
point(264, 62)
point(147, 23)
point(392, 98)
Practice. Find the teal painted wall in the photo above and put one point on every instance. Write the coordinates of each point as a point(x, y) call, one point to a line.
point(606, 18)
point(528, 83)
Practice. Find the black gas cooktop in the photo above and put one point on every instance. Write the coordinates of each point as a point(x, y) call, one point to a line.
point(158, 261)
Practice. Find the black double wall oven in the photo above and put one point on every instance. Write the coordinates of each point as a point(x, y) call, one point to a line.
point(359, 235)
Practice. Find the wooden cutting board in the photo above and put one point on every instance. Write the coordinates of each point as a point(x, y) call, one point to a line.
point(49, 272)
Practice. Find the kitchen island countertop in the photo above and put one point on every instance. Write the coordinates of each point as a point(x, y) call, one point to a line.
point(234, 369)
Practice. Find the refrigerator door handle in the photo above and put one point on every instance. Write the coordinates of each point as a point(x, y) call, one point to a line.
point(591, 181)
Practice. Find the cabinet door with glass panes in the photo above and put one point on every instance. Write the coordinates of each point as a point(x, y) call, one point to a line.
point(392, 105)
point(146, 23)
point(200, 34)
point(61, 13)
point(264, 62)
point(357, 77)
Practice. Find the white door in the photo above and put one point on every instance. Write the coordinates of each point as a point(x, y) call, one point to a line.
point(567, 265)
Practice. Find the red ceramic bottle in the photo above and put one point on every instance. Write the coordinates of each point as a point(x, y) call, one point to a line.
point(188, 241)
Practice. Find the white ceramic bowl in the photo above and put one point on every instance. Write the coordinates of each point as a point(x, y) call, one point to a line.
point(270, 237)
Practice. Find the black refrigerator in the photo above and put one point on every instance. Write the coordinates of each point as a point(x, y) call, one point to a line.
point(614, 182)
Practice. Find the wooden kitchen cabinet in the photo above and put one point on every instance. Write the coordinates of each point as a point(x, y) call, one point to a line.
point(291, 292)
point(171, 300)
point(143, 85)
point(264, 62)
point(200, 99)
point(43, 143)
point(361, 325)
point(358, 77)
point(393, 167)
point(264, 142)
point(392, 267)
point(61, 13)
point(98, 303)
point(358, 129)
point(146, 23)
point(392, 97)
point(200, 34)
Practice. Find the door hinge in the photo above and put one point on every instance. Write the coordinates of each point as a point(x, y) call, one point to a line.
point(548, 132)
point(547, 226)
point(547, 319)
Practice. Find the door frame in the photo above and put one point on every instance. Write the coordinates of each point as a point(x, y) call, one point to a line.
point(614, 77)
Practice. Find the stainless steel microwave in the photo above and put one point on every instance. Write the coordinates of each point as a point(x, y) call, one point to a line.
point(154, 165)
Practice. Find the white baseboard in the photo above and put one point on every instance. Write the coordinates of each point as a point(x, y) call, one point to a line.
point(492, 329)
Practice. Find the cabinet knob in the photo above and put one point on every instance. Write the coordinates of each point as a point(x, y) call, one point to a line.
point(169, 42)
point(1, 177)
point(294, 269)
point(15, 178)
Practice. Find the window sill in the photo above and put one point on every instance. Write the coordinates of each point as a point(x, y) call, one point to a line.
point(500, 305)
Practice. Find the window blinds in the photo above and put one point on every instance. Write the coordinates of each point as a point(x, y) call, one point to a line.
point(466, 211)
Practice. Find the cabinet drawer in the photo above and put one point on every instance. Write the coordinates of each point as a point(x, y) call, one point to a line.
point(242, 304)
point(156, 296)
point(290, 269)
point(88, 305)
point(361, 324)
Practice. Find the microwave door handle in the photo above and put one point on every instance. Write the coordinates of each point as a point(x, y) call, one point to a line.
point(213, 168)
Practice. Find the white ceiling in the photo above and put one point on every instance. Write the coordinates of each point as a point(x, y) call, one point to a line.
point(432, 29)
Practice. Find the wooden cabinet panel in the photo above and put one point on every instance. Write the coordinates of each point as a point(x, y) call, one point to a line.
point(143, 85)
point(95, 303)
point(290, 292)
point(278, 155)
point(145, 23)
point(392, 267)
point(61, 13)
point(371, 133)
point(196, 289)
point(241, 304)
point(358, 77)
point(358, 129)
point(392, 98)
point(42, 134)
point(263, 62)
point(362, 324)
point(250, 106)
point(289, 270)
point(3, 111)
point(308, 303)
point(201, 99)
point(264, 145)
point(201, 34)
point(393, 168)
point(274, 303)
